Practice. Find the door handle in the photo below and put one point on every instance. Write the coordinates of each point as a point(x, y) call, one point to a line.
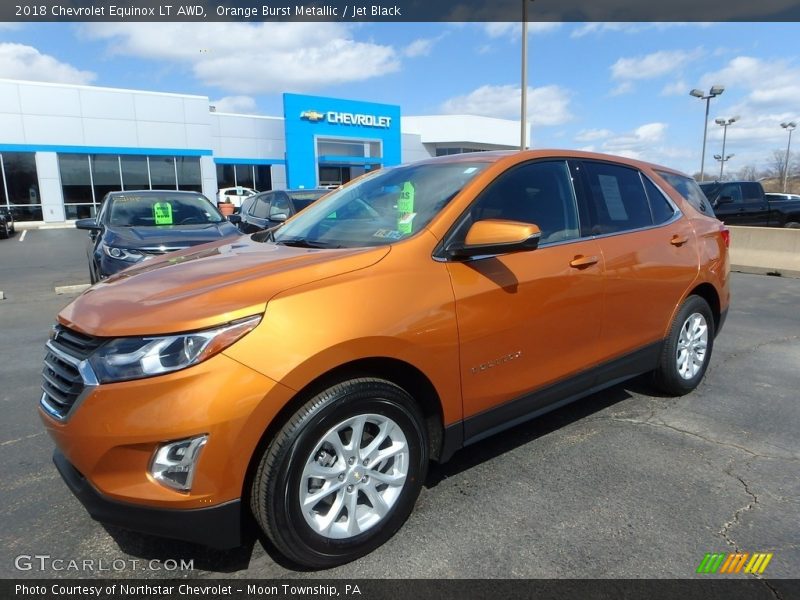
point(580, 261)
point(678, 240)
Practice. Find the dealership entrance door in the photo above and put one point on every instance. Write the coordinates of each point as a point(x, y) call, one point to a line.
point(340, 160)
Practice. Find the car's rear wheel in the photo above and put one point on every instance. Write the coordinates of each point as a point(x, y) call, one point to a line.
point(343, 474)
point(687, 349)
point(5, 232)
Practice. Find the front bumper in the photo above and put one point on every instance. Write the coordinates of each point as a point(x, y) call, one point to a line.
point(217, 526)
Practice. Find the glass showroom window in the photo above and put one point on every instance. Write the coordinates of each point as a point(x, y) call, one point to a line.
point(21, 185)
point(189, 177)
point(162, 173)
point(257, 177)
point(135, 173)
point(105, 175)
point(263, 177)
point(76, 186)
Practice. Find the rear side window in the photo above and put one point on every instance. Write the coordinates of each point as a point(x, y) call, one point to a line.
point(751, 192)
point(691, 192)
point(660, 207)
point(618, 199)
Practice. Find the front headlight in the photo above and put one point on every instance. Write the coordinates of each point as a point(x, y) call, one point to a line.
point(123, 359)
point(123, 254)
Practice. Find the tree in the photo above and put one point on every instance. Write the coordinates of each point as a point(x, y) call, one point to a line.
point(748, 173)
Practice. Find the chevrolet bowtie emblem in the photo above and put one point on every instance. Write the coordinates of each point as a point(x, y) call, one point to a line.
point(312, 115)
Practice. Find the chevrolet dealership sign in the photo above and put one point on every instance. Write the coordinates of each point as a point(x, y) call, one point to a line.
point(344, 118)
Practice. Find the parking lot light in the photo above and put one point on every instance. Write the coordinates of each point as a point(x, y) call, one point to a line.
point(789, 127)
point(715, 91)
point(724, 123)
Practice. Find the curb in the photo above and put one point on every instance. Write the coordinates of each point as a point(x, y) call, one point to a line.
point(72, 289)
point(21, 226)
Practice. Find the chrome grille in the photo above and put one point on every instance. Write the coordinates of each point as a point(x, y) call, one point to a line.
point(159, 250)
point(65, 375)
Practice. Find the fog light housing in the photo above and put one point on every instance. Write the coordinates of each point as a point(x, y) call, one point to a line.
point(174, 463)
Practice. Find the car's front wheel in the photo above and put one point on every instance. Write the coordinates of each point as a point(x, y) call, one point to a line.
point(343, 474)
point(687, 349)
point(5, 232)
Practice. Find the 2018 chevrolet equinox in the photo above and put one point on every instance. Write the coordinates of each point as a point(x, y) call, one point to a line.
point(308, 374)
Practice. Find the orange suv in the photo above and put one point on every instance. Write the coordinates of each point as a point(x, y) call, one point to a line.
point(308, 374)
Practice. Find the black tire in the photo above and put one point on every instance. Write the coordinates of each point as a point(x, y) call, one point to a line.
point(4, 231)
point(276, 489)
point(667, 376)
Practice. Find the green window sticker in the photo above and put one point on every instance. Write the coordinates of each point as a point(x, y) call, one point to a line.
point(162, 213)
point(405, 207)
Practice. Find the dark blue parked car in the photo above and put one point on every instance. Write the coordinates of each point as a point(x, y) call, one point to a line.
point(133, 226)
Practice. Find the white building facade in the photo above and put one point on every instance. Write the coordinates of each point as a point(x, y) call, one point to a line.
point(63, 147)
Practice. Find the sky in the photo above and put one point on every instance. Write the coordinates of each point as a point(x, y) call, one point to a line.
point(620, 88)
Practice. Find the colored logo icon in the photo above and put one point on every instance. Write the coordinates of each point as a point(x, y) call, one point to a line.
point(735, 562)
point(312, 115)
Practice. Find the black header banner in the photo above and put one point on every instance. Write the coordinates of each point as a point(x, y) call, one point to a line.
point(318, 589)
point(397, 10)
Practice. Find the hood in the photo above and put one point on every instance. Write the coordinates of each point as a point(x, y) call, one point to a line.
point(205, 286)
point(175, 236)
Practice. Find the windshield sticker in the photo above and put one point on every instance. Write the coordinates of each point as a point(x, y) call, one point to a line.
point(405, 207)
point(470, 170)
point(388, 234)
point(162, 213)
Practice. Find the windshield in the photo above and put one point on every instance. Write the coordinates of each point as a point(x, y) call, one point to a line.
point(304, 199)
point(159, 210)
point(381, 208)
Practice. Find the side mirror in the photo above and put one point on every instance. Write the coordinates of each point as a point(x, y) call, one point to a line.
point(278, 217)
point(235, 219)
point(723, 200)
point(88, 224)
point(496, 236)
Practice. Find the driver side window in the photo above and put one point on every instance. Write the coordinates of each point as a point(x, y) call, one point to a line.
point(539, 193)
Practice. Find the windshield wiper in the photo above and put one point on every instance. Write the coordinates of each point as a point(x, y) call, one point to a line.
point(304, 243)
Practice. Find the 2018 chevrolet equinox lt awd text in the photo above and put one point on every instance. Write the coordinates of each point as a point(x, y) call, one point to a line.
point(309, 373)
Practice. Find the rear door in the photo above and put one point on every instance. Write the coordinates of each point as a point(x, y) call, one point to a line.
point(650, 256)
point(530, 319)
point(257, 217)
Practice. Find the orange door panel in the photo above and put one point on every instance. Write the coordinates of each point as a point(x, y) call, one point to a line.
point(526, 320)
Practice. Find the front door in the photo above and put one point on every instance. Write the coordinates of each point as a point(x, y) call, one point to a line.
point(530, 319)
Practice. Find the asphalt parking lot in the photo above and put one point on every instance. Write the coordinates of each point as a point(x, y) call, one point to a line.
point(622, 484)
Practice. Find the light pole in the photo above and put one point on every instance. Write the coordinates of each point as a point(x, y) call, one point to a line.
point(722, 161)
point(724, 123)
point(523, 118)
point(715, 91)
point(790, 127)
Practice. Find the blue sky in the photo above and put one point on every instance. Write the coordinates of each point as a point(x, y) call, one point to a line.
point(610, 87)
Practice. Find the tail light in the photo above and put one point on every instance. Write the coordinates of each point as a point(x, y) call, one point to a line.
point(726, 236)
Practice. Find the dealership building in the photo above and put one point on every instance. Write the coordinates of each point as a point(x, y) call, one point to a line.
point(63, 147)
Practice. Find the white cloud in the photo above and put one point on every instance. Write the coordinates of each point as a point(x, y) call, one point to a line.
point(676, 88)
point(514, 30)
point(626, 87)
point(547, 105)
point(645, 142)
point(245, 58)
point(243, 105)
point(766, 93)
point(653, 65)
point(420, 47)
point(593, 135)
point(600, 28)
point(18, 61)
